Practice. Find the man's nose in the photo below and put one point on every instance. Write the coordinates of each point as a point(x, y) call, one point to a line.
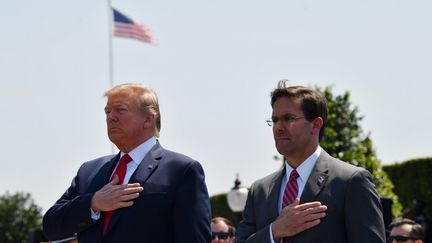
point(279, 125)
point(110, 116)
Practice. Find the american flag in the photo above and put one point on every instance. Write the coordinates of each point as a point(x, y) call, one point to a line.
point(127, 28)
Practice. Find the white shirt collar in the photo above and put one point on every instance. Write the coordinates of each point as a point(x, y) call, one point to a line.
point(305, 168)
point(137, 154)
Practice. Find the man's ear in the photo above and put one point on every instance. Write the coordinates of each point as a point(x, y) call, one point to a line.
point(149, 120)
point(317, 124)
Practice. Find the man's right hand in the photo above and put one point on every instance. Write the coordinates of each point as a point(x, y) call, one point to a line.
point(113, 196)
point(296, 218)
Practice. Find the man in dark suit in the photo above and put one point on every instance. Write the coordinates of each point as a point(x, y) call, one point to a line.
point(314, 197)
point(145, 193)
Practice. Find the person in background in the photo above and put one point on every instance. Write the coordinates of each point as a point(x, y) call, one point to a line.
point(222, 230)
point(420, 217)
point(406, 231)
point(144, 193)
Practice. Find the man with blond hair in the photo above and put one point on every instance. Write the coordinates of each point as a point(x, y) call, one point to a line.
point(144, 193)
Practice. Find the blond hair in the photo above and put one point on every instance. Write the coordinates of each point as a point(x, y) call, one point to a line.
point(145, 96)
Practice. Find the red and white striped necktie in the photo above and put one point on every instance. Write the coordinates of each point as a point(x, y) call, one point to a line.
point(290, 193)
point(291, 189)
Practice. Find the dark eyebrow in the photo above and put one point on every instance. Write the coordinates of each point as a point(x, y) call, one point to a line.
point(285, 115)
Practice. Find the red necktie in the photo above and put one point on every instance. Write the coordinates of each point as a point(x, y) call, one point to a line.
point(291, 189)
point(290, 193)
point(120, 172)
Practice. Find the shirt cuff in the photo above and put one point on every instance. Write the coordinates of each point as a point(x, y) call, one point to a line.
point(95, 215)
point(271, 234)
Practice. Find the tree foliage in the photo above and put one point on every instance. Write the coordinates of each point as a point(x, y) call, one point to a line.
point(345, 139)
point(18, 215)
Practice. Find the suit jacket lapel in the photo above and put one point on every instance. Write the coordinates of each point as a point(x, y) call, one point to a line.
point(274, 192)
point(102, 175)
point(148, 165)
point(99, 179)
point(144, 171)
point(317, 179)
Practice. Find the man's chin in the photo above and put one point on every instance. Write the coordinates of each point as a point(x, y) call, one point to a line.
point(113, 137)
point(281, 143)
point(283, 149)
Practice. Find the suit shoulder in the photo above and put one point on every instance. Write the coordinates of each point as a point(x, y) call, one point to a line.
point(267, 180)
point(171, 155)
point(91, 166)
point(100, 160)
point(345, 169)
point(180, 161)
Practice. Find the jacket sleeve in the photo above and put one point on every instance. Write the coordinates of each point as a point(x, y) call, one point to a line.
point(363, 212)
point(192, 212)
point(70, 214)
point(247, 229)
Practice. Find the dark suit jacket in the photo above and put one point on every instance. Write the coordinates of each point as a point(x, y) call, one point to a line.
point(353, 206)
point(174, 206)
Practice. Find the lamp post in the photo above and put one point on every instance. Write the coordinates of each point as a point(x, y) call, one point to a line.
point(237, 199)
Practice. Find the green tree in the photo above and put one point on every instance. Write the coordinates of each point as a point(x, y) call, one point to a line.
point(18, 214)
point(345, 139)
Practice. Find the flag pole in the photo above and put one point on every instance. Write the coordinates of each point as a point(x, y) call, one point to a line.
point(110, 52)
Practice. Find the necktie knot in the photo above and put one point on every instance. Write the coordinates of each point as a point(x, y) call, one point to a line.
point(121, 169)
point(294, 174)
point(125, 159)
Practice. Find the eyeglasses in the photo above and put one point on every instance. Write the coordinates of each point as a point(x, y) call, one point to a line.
point(286, 119)
point(220, 235)
point(399, 238)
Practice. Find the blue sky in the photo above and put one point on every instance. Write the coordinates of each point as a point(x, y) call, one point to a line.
point(213, 71)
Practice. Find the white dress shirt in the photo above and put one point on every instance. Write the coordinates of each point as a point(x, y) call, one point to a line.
point(137, 154)
point(304, 170)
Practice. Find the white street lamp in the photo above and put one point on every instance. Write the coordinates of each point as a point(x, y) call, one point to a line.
point(237, 198)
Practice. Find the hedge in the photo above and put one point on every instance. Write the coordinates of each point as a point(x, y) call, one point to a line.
point(220, 208)
point(412, 181)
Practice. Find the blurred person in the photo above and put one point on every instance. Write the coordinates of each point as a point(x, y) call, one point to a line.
point(232, 231)
point(314, 197)
point(222, 230)
point(144, 193)
point(419, 216)
point(406, 231)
